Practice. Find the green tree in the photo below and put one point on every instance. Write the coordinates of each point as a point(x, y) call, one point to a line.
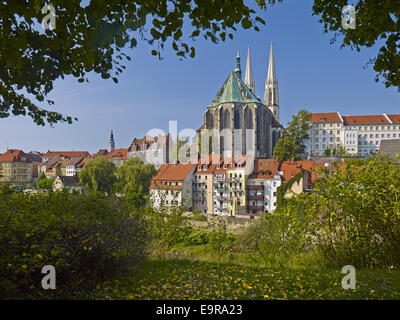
point(377, 25)
point(291, 144)
point(92, 36)
point(328, 152)
point(44, 183)
point(134, 178)
point(353, 215)
point(98, 176)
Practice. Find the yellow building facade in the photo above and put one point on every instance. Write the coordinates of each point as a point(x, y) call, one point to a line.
point(15, 167)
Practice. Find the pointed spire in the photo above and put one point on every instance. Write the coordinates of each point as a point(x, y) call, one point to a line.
point(271, 67)
point(111, 143)
point(271, 95)
point(248, 80)
point(238, 69)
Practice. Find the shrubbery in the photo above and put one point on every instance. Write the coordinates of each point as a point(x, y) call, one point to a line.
point(167, 227)
point(355, 214)
point(353, 217)
point(273, 241)
point(86, 238)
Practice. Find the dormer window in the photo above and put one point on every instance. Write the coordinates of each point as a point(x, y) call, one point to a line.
point(205, 168)
point(218, 166)
point(199, 168)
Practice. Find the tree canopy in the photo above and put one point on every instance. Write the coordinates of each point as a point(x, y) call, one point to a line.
point(291, 144)
point(92, 37)
point(43, 183)
point(134, 180)
point(377, 24)
point(98, 175)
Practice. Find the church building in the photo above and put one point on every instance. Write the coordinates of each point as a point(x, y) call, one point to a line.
point(237, 121)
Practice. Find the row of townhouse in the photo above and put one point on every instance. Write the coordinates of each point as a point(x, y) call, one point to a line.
point(229, 186)
point(358, 135)
point(20, 168)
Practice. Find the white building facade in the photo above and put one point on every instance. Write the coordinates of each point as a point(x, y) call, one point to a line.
point(172, 186)
point(358, 135)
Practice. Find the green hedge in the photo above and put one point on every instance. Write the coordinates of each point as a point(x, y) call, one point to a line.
point(86, 238)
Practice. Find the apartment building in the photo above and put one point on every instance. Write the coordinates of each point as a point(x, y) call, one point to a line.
point(262, 186)
point(220, 189)
point(15, 167)
point(236, 184)
point(172, 185)
point(357, 135)
point(203, 185)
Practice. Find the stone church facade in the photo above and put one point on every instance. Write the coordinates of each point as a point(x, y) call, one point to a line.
point(237, 122)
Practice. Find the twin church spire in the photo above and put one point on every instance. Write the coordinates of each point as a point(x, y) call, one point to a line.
point(248, 80)
point(271, 95)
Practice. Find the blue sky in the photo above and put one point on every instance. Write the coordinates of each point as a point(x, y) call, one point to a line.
point(312, 74)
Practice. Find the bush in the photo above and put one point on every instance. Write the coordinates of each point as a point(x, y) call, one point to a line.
point(196, 215)
point(197, 237)
point(168, 226)
point(356, 214)
point(220, 242)
point(86, 238)
point(353, 215)
point(274, 241)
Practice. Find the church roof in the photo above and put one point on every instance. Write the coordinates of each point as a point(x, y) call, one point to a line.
point(234, 90)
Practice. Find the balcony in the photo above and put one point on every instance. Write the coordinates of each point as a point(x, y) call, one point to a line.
point(219, 187)
point(221, 206)
point(255, 197)
point(235, 178)
point(256, 208)
point(255, 187)
point(197, 197)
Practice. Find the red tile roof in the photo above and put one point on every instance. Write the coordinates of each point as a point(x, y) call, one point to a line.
point(68, 154)
point(84, 161)
point(369, 119)
point(395, 118)
point(325, 117)
point(171, 172)
point(118, 154)
point(13, 155)
point(291, 168)
point(101, 152)
point(144, 143)
point(264, 168)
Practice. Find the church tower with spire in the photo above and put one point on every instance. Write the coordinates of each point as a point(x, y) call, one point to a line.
point(111, 144)
point(271, 96)
point(248, 80)
point(238, 69)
